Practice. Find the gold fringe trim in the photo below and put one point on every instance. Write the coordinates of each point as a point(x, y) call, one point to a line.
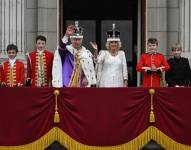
point(40, 144)
point(57, 134)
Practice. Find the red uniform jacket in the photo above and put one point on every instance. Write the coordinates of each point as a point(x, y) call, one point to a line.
point(147, 60)
point(33, 68)
point(12, 77)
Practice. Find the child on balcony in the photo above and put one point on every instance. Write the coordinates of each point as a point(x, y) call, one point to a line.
point(12, 71)
point(152, 64)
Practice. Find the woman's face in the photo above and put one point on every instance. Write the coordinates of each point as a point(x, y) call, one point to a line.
point(113, 45)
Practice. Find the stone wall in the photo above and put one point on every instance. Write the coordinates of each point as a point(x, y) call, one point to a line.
point(40, 18)
point(163, 23)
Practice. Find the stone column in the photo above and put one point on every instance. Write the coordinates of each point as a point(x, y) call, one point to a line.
point(12, 25)
point(47, 22)
point(185, 27)
point(173, 24)
point(157, 22)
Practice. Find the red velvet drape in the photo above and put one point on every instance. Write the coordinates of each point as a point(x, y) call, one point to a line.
point(93, 116)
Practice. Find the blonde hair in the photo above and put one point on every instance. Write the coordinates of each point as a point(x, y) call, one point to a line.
point(176, 46)
point(108, 42)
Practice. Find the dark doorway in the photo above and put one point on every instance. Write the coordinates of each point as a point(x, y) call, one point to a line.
point(55, 146)
point(152, 145)
point(96, 17)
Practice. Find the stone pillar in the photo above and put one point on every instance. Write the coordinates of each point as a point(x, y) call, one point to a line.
point(157, 22)
point(173, 24)
point(185, 28)
point(164, 23)
point(47, 22)
point(12, 25)
point(40, 18)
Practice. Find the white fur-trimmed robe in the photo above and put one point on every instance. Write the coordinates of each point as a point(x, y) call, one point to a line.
point(86, 63)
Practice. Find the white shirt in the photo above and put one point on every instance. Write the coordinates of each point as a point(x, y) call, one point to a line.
point(12, 61)
point(39, 51)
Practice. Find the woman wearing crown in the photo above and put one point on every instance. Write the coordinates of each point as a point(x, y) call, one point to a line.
point(73, 64)
point(111, 66)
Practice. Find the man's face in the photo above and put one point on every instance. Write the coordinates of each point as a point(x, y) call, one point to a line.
point(177, 52)
point(76, 42)
point(12, 54)
point(152, 48)
point(40, 45)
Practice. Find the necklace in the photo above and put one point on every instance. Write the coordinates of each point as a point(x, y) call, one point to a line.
point(113, 53)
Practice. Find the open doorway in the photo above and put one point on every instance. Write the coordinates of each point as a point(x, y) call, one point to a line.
point(96, 17)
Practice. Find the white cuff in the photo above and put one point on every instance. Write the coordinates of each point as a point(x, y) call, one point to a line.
point(125, 78)
point(65, 39)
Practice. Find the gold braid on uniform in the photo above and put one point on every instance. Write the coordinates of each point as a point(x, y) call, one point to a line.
point(11, 79)
point(76, 73)
point(41, 67)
